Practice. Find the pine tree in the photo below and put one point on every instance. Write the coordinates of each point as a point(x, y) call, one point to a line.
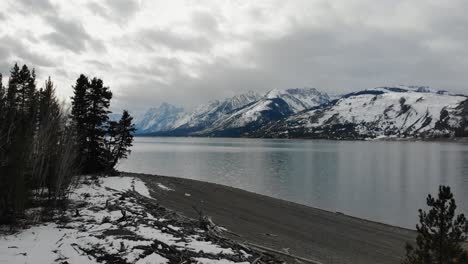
point(3, 143)
point(440, 233)
point(120, 139)
point(35, 152)
point(2, 113)
point(79, 113)
point(101, 142)
point(26, 86)
point(90, 105)
point(2, 98)
point(12, 91)
point(99, 98)
point(18, 132)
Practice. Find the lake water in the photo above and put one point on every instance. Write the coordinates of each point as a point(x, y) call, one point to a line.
point(380, 181)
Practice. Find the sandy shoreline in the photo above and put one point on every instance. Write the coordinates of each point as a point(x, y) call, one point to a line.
point(285, 226)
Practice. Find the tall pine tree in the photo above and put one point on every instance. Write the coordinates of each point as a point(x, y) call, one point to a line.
point(97, 117)
point(35, 152)
point(79, 114)
point(17, 140)
point(90, 113)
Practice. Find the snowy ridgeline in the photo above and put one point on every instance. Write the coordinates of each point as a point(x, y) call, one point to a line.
point(391, 112)
point(387, 112)
point(115, 225)
point(231, 116)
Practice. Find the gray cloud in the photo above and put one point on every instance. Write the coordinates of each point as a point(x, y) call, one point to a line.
point(99, 64)
point(119, 11)
point(123, 8)
point(39, 7)
point(70, 35)
point(206, 22)
point(14, 49)
point(153, 39)
point(346, 58)
point(98, 9)
point(209, 52)
point(4, 64)
point(220, 79)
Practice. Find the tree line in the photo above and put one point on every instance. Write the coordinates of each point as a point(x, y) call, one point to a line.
point(44, 146)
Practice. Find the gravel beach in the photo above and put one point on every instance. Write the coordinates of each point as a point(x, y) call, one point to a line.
point(311, 233)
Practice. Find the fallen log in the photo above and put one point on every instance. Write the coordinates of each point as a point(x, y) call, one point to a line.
point(283, 253)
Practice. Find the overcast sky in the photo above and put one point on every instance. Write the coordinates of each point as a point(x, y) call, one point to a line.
point(189, 52)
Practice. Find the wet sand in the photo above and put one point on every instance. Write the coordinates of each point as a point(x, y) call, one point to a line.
point(307, 232)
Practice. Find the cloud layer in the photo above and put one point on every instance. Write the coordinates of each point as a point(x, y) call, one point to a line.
point(187, 52)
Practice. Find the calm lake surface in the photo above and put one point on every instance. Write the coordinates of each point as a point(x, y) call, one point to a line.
point(380, 181)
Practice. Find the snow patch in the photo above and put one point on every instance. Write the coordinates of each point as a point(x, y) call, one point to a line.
point(216, 261)
point(152, 259)
point(126, 184)
point(164, 187)
point(110, 222)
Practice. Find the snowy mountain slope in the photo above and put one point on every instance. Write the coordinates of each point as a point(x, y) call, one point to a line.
point(206, 115)
point(394, 111)
point(275, 105)
point(159, 119)
point(385, 111)
point(299, 99)
point(248, 119)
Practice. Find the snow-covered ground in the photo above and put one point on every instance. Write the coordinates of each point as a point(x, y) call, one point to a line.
point(116, 226)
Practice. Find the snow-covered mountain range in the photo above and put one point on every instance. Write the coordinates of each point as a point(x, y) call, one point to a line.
point(160, 118)
point(397, 111)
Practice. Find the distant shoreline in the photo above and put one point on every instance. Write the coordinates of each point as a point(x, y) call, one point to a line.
point(307, 232)
point(389, 139)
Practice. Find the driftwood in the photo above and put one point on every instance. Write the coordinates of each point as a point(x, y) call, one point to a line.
point(190, 227)
point(283, 253)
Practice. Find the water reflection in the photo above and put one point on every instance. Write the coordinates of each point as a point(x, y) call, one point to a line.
point(381, 181)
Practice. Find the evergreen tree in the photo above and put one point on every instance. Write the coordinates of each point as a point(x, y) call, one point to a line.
point(2, 111)
point(120, 139)
point(12, 91)
point(17, 133)
point(3, 157)
point(440, 233)
point(36, 146)
point(26, 86)
point(2, 98)
point(101, 142)
point(79, 113)
point(97, 117)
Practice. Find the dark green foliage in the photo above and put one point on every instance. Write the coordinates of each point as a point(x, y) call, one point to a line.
point(17, 141)
point(2, 96)
point(97, 117)
point(41, 150)
point(79, 111)
point(101, 142)
point(440, 233)
point(36, 151)
point(120, 139)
